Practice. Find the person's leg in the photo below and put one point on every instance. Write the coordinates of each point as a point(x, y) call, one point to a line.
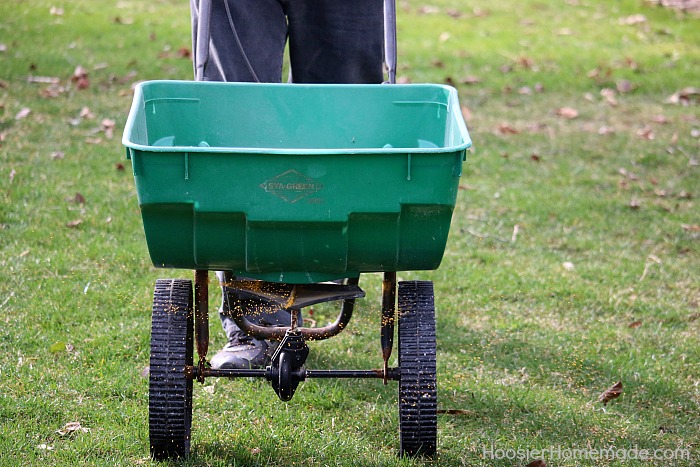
point(255, 51)
point(334, 41)
point(247, 40)
point(241, 350)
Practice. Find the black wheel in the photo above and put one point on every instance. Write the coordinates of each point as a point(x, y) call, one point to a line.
point(418, 383)
point(170, 392)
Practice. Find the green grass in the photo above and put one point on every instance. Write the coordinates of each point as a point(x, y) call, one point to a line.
point(597, 283)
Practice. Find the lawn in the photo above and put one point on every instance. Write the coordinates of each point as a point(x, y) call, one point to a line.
point(573, 260)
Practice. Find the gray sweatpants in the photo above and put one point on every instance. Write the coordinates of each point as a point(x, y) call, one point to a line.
point(330, 41)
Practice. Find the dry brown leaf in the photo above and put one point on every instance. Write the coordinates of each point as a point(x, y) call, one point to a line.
point(466, 113)
point(23, 113)
point(685, 96)
point(624, 86)
point(622, 171)
point(428, 10)
point(74, 224)
point(78, 199)
point(71, 428)
point(564, 32)
point(635, 204)
point(690, 228)
point(633, 19)
point(470, 80)
point(108, 127)
point(58, 155)
point(506, 129)
point(609, 96)
point(80, 78)
point(613, 392)
point(85, 112)
point(646, 133)
point(634, 324)
point(454, 13)
point(537, 463)
point(567, 112)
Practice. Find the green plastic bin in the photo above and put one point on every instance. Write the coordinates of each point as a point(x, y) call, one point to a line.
point(296, 183)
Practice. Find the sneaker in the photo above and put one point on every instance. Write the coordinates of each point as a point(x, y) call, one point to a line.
point(242, 352)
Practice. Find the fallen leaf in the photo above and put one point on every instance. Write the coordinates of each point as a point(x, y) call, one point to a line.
point(119, 166)
point(635, 204)
point(646, 133)
point(184, 52)
point(470, 80)
point(564, 32)
point(690, 228)
point(660, 119)
point(108, 127)
point(567, 112)
point(56, 11)
point(74, 224)
point(537, 463)
point(633, 19)
point(12, 175)
point(634, 324)
point(78, 199)
point(80, 78)
point(609, 96)
point(255, 451)
point(120, 20)
point(534, 157)
point(428, 10)
point(85, 112)
point(72, 428)
point(685, 96)
point(58, 155)
point(526, 62)
point(506, 129)
point(624, 86)
point(613, 392)
point(146, 371)
point(23, 113)
point(622, 171)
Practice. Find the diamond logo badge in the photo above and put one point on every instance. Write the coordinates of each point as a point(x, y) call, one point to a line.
point(291, 186)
